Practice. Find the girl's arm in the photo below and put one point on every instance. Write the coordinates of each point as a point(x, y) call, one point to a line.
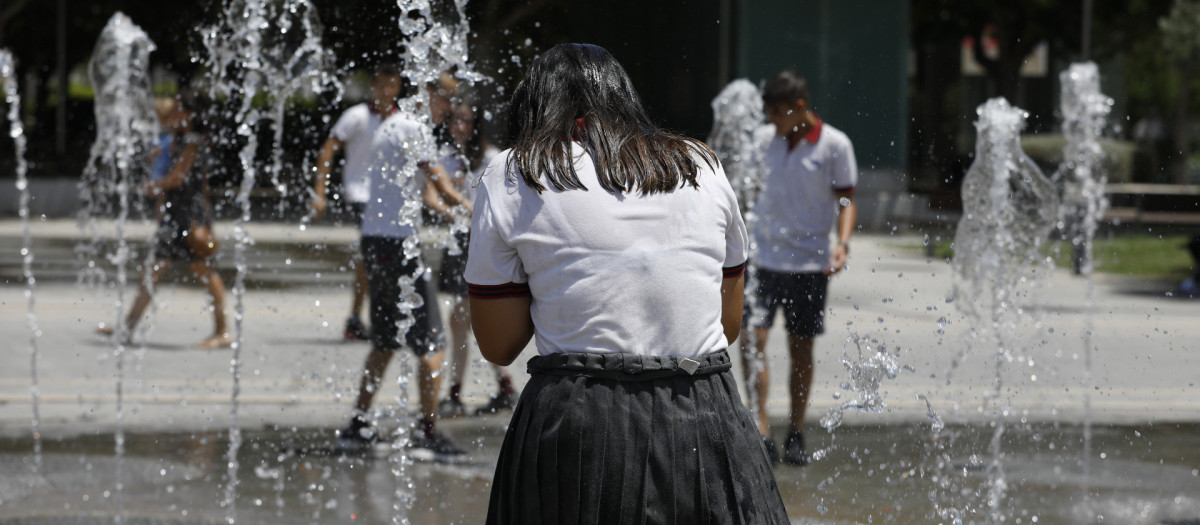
point(179, 171)
point(441, 182)
point(434, 201)
point(731, 306)
point(503, 327)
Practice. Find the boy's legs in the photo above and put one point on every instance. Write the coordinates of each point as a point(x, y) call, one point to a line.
point(805, 315)
point(384, 260)
point(360, 289)
point(761, 380)
point(355, 329)
point(379, 259)
point(460, 326)
point(429, 380)
point(801, 377)
point(373, 370)
point(759, 316)
point(427, 341)
point(451, 281)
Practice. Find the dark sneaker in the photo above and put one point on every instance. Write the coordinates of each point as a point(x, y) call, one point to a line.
point(358, 436)
point(438, 448)
point(497, 403)
point(793, 449)
point(772, 453)
point(451, 408)
point(356, 330)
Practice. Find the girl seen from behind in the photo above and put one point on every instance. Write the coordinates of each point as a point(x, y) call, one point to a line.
point(619, 248)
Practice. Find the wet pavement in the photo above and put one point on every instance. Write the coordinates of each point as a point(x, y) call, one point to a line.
point(299, 378)
point(866, 474)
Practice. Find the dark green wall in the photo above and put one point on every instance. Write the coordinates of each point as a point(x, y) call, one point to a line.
point(669, 49)
point(854, 54)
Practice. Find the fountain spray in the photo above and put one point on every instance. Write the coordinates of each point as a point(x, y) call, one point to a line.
point(259, 46)
point(8, 80)
point(1082, 178)
point(433, 46)
point(126, 126)
point(737, 115)
point(1009, 208)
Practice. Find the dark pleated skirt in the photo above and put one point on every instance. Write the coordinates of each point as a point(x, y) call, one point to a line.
point(621, 438)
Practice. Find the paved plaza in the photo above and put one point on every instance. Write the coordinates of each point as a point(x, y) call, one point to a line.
point(298, 380)
point(296, 368)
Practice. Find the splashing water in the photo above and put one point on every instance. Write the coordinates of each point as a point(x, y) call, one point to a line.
point(259, 46)
point(432, 46)
point(1009, 208)
point(737, 114)
point(867, 371)
point(1084, 110)
point(12, 97)
point(126, 126)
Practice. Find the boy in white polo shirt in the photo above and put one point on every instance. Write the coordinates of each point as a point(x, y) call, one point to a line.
point(352, 134)
point(393, 279)
point(810, 174)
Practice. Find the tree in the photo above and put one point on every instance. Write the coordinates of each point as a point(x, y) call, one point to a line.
point(1181, 41)
point(1018, 27)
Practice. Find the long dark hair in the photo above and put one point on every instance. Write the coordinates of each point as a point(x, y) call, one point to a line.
point(583, 81)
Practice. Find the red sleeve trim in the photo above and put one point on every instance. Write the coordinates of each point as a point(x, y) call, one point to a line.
point(497, 291)
point(734, 271)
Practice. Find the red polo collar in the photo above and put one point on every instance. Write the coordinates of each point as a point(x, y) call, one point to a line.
point(814, 134)
point(383, 112)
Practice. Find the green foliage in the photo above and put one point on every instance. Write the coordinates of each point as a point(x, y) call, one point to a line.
point(1181, 32)
point(1145, 256)
point(1046, 149)
point(1155, 257)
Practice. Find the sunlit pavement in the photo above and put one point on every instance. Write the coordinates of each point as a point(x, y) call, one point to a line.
point(298, 378)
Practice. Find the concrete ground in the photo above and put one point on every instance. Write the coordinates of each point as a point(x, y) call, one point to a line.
point(298, 375)
point(296, 367)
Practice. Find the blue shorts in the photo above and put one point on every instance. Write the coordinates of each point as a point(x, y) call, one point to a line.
point(801, 295)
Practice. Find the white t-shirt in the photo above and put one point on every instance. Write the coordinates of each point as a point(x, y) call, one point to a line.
point(398, 140)
point(797, 206)
point(356, 128)
point(466, 183)
point(609, 272)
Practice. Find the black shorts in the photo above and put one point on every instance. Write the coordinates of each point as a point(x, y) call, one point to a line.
point(450, 275)
point(357, 211)
point(385, 262)
point(170, 241)
point(802, 296)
